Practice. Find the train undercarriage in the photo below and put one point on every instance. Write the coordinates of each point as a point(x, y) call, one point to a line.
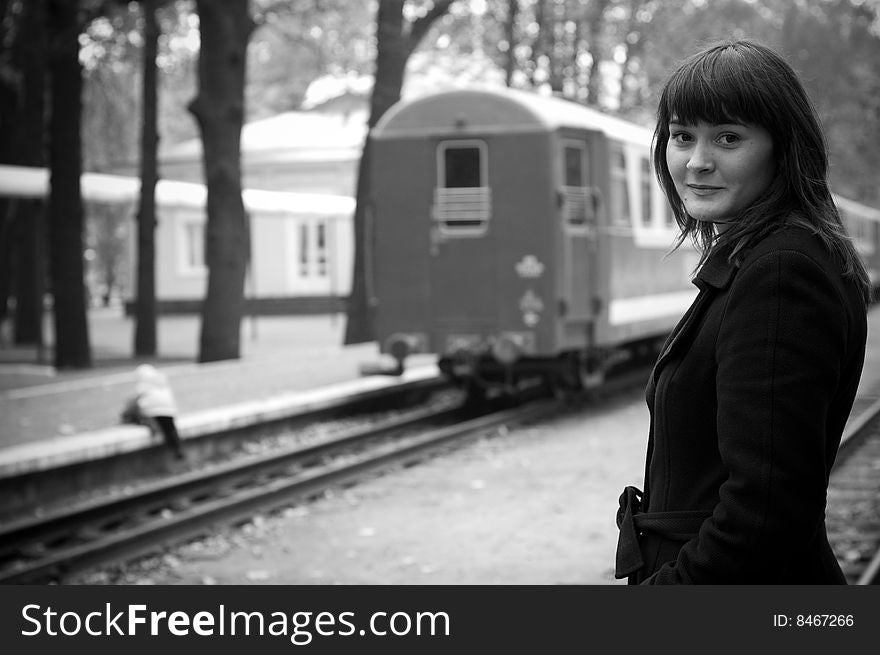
point(483, 375)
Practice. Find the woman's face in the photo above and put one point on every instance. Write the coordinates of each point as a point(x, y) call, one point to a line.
point(719, 169)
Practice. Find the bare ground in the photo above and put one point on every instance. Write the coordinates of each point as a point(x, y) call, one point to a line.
point(534, 505)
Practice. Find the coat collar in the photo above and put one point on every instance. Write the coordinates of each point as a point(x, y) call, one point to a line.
point(714, 275)
point(716, 271)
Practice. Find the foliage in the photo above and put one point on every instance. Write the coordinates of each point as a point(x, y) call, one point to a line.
point(613, 54)
point(110, 53)
point(322, 37)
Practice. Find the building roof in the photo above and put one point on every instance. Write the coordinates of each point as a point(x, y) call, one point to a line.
point(291, 136)
point(26, 182)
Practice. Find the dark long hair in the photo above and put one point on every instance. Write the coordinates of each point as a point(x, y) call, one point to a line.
point(745, 82)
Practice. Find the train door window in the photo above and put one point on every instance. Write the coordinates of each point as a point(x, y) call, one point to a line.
point(575, 164)
point(462, 198)
point(619, 187)
point(304, 255)
point(646, 189)
point(577, 198)
point(321, 247)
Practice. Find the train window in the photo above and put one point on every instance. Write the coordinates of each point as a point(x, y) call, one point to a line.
point(574, 166)
point(578, 204)
point(322, 249)
point(646, 191)
point(304, 249)
point(619, 187)
point(461, 167)
point(462, 198)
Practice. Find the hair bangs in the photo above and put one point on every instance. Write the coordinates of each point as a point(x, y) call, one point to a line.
point(715, 89)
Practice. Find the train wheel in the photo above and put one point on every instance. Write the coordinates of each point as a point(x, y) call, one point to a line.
point(588, 376)
point(561, 387)
point(475, 395)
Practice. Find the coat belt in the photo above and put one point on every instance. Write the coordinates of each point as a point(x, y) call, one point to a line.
point(677, 526)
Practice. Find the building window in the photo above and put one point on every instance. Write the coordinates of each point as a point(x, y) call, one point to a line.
point(462, 198)
point(312, 249)
point(194, 246)
point(619, 187)
point(647, 189)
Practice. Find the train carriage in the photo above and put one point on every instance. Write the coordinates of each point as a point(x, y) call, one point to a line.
point(519, 234)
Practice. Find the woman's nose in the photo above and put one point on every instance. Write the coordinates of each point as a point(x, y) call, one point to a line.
point(700, 159)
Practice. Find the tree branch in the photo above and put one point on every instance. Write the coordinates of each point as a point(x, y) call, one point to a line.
point(422, 24)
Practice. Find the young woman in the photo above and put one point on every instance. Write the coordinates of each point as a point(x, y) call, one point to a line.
point(750, 394)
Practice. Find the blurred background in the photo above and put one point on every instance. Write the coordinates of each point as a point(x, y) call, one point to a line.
point(131, 131)
point(194, 184)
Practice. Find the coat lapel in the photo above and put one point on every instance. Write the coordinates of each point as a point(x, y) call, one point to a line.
point(682, 331)
point(714, 275)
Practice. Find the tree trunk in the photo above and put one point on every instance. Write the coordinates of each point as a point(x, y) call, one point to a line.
point(24, 107)
point(510, 36)
point(65, 214)
point(595, 18)
point(390, 64)
point(219, 110)
point(8, 248)
point(624, 100)
point(539, 42)
point(31, 274)
point(145, 307)
point(395, 41)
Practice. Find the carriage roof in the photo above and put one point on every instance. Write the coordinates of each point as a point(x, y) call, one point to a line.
point(500, 110)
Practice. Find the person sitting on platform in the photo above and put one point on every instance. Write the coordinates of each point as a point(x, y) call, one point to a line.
point(153, 405)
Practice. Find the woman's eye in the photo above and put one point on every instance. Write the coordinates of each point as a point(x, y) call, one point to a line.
point(728, 139)
point(680, 137)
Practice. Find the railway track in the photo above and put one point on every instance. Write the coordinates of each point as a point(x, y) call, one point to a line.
point(52, 547)
point(853, 510)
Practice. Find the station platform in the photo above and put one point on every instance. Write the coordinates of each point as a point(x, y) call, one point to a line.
point(289, 365)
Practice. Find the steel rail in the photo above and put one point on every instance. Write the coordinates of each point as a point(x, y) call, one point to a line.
point(60, 522)
point(21, 535)
point(239, 504)
point(871, 574)
point(857, 435)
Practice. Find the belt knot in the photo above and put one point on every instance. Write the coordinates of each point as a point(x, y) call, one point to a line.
point(629, 555)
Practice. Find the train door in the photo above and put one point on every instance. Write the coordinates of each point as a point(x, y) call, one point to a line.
point(462, 264)
point(578, 216)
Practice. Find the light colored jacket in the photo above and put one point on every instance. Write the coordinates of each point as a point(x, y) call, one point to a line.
point(154, 395)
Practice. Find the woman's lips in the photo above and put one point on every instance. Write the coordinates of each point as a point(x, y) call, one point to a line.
point(703, 189)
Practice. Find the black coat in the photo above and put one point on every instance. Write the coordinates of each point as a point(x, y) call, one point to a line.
point(748, 401)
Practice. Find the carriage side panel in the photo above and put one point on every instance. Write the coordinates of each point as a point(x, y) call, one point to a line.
point(400, 210)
